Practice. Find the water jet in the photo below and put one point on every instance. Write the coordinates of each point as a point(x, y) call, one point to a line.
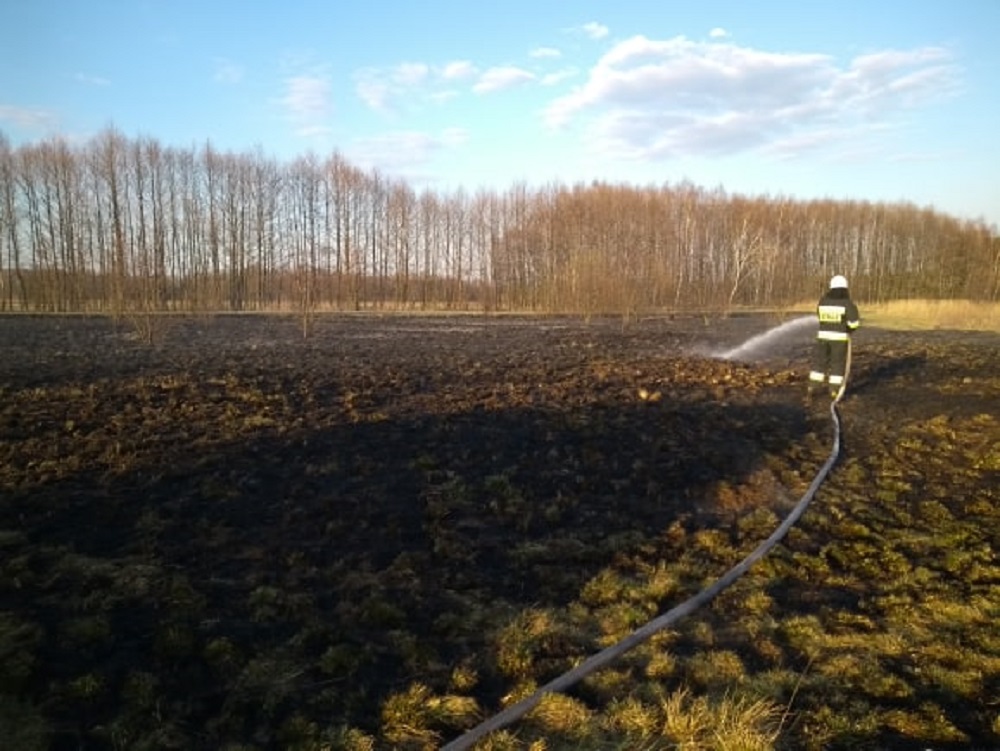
point(758, 346)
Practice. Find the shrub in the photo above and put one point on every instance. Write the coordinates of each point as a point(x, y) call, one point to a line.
point(728, 723)
point(415, 716)
point(530, 635)
point(632, 717)
point(716, 669)
point(562, 715)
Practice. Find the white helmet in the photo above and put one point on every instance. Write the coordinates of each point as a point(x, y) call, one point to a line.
point(838, 282)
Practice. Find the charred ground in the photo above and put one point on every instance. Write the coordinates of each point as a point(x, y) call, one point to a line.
point(239, 536)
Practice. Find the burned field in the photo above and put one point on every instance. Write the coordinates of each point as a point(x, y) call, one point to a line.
point(376, 537)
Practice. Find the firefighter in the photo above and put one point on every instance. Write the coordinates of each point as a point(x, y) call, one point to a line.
point(838, 319)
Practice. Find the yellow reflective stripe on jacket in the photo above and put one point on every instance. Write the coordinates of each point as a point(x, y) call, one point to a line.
point(833, 336)
point(831, 313)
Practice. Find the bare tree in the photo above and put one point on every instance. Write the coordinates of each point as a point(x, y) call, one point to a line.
point(127, 226)
point(13, 284)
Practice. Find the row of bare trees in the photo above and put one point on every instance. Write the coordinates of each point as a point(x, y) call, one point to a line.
point(119, 225)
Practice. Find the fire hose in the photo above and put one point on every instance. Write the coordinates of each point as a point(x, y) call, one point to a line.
point(604, 657)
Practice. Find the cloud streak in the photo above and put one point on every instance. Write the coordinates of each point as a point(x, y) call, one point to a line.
point(388, 90)
point(29, 118)
point(227, 72)
point(545, 52)
point(652, 99)
point(404, 150)
point(595, 30)
point(91, 80)
point(502, 77)
point(308, 103)
point(392, 89)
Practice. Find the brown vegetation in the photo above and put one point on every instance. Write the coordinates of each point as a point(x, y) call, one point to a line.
point(315, 531)
point(131, 227)
point(949, 315)
point(376, 537)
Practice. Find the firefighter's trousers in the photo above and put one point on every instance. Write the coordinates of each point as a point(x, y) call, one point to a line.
point(830, 362)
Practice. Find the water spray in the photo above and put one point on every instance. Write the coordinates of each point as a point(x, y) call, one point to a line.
point(756, 346)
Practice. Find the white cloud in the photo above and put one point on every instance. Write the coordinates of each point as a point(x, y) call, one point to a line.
point(410, 74)
point(90, 80)
point(391, 89)
point(557, 77)
point(451, 137)
point(29, 118)
point(502, 77)
point(650, 98)
point(307, 96)
point(898, 78)
point(445, 95)
point(227, 72)
point(458, 70)
point(402, 88)
point(379, 88)
point(718, 33)
point(402, 150)
point(545, 52)
point(373, 91)
point(595, 30)
point(313, 131)
point(308, 103)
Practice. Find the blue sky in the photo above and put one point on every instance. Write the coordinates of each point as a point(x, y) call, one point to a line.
point(881, 101)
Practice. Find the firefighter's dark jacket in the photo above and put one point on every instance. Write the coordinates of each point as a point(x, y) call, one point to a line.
point(838, 316)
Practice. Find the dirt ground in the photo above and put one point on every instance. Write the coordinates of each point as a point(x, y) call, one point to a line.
point(206, 538)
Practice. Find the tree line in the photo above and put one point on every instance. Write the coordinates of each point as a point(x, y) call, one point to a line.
point(123, 225)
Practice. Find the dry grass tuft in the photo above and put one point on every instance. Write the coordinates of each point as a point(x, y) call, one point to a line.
point(923, 314)
point(715, 668)
point(633, 717)
point(958, 315)
point(561, 714)
point(412, 717)
point(730, 723)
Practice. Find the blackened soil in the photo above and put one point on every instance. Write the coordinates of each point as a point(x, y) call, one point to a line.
point(236, 526)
